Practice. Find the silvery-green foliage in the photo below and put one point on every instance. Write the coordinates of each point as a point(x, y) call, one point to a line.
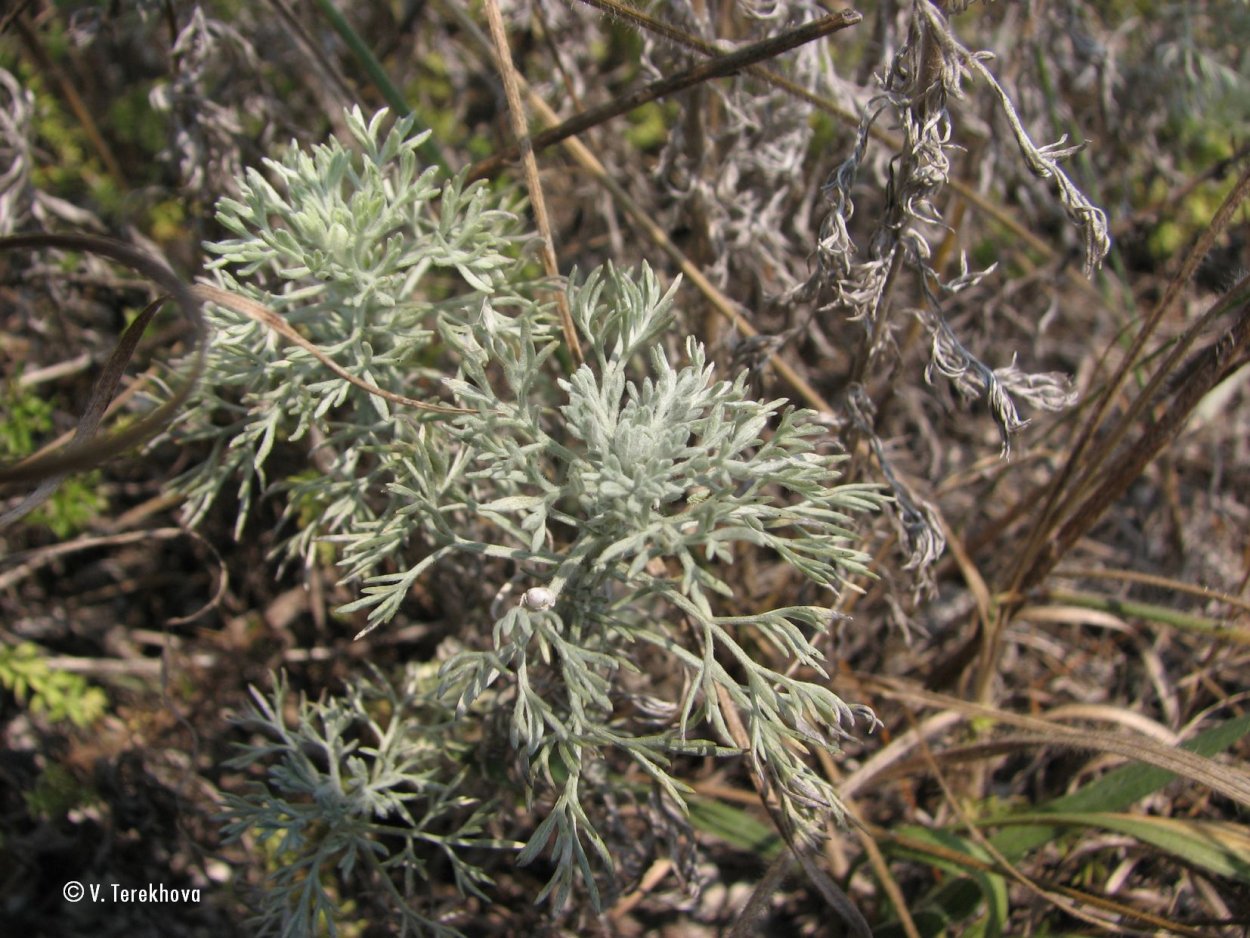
point(365, 787)
point(369, 255)
point(626, 507)
point(614, 501)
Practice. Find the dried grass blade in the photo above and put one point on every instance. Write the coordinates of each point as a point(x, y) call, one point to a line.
point(717, 67)
point(89, 423)
point(271, 320)
point(90, 451)
point(1230, 782)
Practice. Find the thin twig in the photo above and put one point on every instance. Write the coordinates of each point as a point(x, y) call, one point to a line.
point(1059, 901)
point(867, 840)
point(30, 38)
point(89, 422)
point(1208, 368)
point(718, 67)
point(520, 130)
point(333, 87)
point(1079, 472)
point(1151, 579)
point(694, 43)
point(654, 232)
point(377, 74)
point(32, 561)
point(262, 314)
point(90, 450)
point(1233, 783)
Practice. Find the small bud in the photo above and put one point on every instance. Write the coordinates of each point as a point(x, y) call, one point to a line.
point(538, 598)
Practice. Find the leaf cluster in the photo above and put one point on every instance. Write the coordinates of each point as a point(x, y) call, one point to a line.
point(368, 256)
point(60, 695)
point(364, 787)
point(617, 497)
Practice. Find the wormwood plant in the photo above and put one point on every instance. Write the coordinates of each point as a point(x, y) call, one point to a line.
point(605, 509)
point(366, 787)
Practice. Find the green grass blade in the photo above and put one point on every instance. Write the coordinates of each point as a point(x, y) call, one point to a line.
point(1219, 847)
point(377, 74)
point(959, 898)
